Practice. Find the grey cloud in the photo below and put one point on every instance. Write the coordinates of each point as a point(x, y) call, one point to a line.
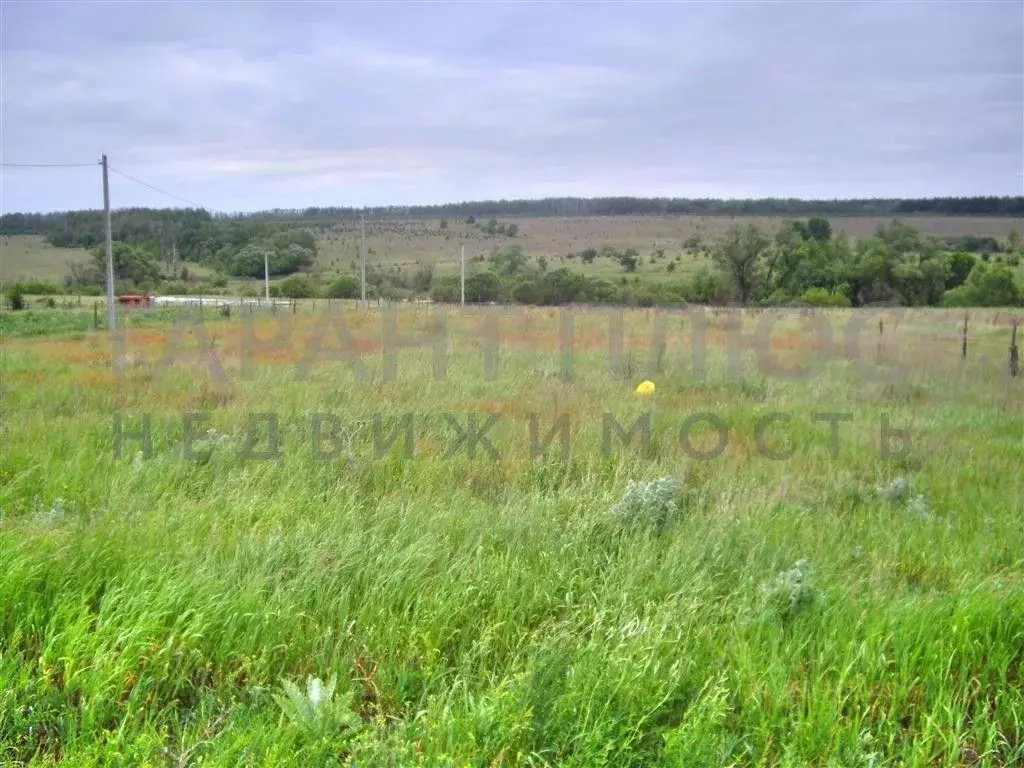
point(263, 105)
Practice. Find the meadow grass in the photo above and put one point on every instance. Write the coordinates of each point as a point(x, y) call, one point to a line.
point(30, 257)
point(830, 609)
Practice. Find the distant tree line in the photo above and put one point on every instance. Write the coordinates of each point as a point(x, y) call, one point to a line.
point(619, 206)
point(85, 228)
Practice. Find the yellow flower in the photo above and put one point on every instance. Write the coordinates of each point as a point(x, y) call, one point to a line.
point(645, 388)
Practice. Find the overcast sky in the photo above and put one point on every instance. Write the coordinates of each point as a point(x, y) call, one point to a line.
point(246, 106)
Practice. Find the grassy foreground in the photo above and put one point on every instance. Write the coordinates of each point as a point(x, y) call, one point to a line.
point(839, 607)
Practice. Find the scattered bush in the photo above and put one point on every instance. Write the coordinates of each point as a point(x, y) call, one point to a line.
point(960, 265)
point(820, 297)
point(345, 287)
point(819, 228)
point(707, 287)
point(39, 288)
point(133, 263)
point(297, 287)
point(174, 287)
point(509, 261)
point(446, 289)
point(15, 297)
point(973, 244)
point(423, 278)
point(483, 287)
point(495, 228)
point(281, 255)
point(986, 286)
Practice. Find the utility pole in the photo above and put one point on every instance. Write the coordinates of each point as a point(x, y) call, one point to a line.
point(266, 274)
point(109, 247)
point(362, 249)
point(462, 271)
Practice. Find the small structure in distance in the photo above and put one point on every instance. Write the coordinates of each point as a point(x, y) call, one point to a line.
point(132, 300)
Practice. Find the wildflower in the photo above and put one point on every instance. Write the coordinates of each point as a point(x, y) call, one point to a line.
point(645, 388)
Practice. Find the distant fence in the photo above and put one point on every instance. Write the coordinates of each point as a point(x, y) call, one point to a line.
point(217, 301)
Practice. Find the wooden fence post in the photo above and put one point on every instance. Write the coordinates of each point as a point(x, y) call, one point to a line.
point(963, 350)
point(1014, 353)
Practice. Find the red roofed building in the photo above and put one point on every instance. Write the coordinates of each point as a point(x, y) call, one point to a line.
point(134, 301)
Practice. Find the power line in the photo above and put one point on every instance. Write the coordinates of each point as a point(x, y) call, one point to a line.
point(110, 167)
point(155, 189)
point(48, 165)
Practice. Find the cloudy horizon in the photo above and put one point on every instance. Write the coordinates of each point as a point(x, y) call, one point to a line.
point(240, 107)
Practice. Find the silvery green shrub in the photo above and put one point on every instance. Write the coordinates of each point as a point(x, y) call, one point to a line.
point(204, 447)
point(52, 516)
point(790, 592)
point(896, 491)
point(901, 491)
point(648, 502)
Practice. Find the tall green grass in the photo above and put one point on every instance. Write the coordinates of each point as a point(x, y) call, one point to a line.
point(161, 611)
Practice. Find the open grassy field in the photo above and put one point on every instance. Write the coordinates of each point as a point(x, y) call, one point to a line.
point(30, 257)
point(802, 591)
point(406, 242)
